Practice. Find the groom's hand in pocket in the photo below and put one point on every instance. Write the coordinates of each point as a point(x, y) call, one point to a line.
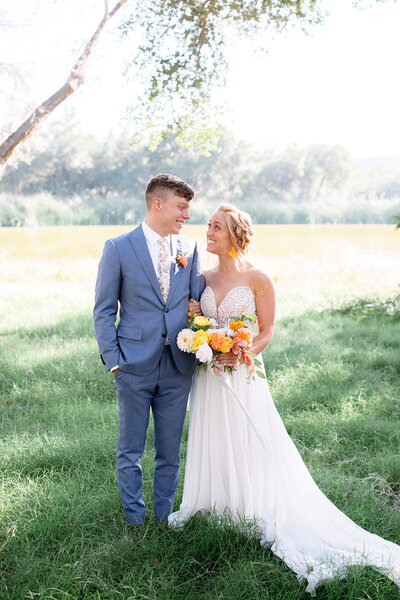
point(114, 372)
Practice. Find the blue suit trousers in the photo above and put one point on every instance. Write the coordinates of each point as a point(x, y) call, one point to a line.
point(165, 390)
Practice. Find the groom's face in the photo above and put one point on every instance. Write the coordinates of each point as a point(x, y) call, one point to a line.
point(173, 212)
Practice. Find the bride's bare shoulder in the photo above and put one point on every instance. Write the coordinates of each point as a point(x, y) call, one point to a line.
point(261, 282)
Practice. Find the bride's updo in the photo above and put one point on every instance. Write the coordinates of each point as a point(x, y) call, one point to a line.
point(240, 227)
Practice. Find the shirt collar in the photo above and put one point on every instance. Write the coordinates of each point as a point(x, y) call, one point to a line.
point(152, 236)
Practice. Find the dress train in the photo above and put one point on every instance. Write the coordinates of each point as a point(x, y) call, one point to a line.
point(240, 458)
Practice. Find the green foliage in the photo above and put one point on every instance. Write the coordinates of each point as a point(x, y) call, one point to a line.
point(44, 209)
point(80, 180)
point(381, 308)
point(181, 56)
point(13, 211)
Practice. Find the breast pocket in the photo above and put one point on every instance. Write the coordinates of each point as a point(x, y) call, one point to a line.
point(131, 333)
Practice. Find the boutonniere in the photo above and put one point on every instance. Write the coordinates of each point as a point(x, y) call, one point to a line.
point(181, 261)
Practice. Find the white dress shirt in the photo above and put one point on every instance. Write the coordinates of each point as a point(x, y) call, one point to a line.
point(154, 247)
point(152, 238)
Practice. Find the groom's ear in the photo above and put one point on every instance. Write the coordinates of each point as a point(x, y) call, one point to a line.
point(156, 204)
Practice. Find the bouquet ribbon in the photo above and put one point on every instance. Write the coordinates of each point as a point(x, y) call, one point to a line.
point(225, 380)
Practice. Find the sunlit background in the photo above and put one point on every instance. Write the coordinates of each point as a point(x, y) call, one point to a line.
point(336, 85)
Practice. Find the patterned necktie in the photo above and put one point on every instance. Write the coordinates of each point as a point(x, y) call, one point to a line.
point(164, 266)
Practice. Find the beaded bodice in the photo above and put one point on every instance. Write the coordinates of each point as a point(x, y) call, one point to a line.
point(238, 300)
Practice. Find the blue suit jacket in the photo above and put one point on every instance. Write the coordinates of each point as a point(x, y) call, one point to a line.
point(126, 276)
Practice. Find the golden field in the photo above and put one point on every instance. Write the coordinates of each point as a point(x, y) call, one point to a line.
point(312, 265)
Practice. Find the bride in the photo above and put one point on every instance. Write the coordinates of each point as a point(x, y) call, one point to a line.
point(240, 458)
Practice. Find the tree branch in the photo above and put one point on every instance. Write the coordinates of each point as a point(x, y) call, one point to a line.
point(73, 82)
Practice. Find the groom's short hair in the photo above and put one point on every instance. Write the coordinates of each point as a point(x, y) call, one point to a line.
point(168, 182)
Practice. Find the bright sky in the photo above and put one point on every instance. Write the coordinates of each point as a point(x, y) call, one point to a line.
point(338, 85)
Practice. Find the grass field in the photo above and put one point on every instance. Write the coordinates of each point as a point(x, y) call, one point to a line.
point(334, 376)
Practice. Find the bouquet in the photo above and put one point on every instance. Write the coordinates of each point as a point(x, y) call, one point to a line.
point(203, 339)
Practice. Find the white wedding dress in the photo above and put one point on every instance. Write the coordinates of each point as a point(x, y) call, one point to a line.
point(241, 459)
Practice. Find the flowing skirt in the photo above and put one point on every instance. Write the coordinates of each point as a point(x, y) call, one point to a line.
point(240, 458)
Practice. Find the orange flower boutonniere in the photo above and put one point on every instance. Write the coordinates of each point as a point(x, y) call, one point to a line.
point(181, 261)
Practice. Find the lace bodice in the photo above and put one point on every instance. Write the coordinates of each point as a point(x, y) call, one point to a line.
point(239, 299)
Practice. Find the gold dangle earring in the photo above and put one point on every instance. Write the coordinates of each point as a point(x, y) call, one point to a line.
point(232, 252)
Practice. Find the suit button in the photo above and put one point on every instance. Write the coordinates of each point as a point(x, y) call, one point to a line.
point(166, 310)
point(164, 335)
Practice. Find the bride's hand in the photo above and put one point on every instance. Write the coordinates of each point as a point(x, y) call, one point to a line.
point(195, 307)
point(227, 359)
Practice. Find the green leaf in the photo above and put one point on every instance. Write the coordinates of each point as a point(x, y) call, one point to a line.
point(250, 317)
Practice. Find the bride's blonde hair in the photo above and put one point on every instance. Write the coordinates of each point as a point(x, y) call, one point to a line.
point(240, 227)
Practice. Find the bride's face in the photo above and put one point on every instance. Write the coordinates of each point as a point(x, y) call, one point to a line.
point(218, 238)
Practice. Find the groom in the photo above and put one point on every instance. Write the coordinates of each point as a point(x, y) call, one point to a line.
point(151, 272)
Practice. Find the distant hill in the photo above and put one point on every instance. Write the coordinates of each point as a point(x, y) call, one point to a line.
point(385, 163)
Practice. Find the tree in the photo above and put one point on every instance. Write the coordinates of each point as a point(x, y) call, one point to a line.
point(73, 82)
point(183, 55)
point(181, 58)
point(326, 168)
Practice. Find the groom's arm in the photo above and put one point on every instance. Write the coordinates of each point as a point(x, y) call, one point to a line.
point(105, 310)
point(197, 283)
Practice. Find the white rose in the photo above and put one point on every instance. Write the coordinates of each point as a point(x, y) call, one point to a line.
point(213, 323)
point(185, 339)
point(204, 353)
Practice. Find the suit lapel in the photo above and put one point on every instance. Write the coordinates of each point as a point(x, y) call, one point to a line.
point(139, 245)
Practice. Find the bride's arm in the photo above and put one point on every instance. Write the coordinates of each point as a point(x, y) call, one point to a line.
point(264, 294)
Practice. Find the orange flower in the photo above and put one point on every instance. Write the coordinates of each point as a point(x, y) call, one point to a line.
point(248, 360)
point(182, 260)
point(226, 345)
point(216, 340)
point(243, 334)
point(235, 324)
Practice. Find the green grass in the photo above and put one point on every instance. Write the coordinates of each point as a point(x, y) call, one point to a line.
point(335, 380)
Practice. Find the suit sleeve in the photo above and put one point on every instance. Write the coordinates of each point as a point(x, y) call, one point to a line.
point(197, 283)
point(105, 310)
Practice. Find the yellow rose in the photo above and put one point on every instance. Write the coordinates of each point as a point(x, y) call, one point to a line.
point(201, 337)
point(201, 321)
point(226, 345)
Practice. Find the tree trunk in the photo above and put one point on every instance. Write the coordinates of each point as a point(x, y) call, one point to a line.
point(74, 80)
